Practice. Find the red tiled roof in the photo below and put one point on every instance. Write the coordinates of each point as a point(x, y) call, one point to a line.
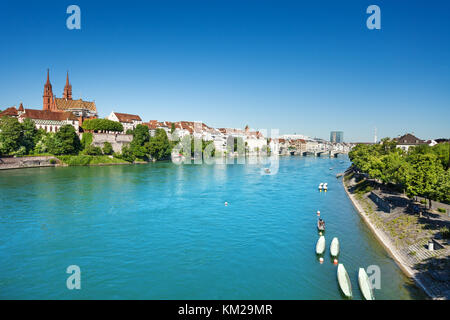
point(48, 115)
point(125, 117)
point(10, 112)
point(152, 124)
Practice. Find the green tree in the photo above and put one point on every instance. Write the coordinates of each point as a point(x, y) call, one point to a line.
point(127, 154)
point(86, 139)
point(141, 136)
point(66, 141)
point(395, 169)
point(423, 176)
point(46, 143)
point(442, 150)
point(96, 125)
point(441, 192)
point(29, 133)
point(107, 148)
point(159, 146)
point(10, 135)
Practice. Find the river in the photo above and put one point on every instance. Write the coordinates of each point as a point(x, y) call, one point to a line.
point(162, 231)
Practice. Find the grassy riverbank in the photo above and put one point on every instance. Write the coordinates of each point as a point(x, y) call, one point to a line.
point(405, 234)
point(85, 160)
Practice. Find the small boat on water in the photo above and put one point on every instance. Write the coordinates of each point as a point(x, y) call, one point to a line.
point(320, 186)
point(320, 246)
point(364, 285)
point(266, 170)
point(321, 225)
point(344, 281)
point(334, 247)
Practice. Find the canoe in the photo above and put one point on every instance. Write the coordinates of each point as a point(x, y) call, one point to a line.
point(320, 246)
point(334, 247)
point(364, 285)
point(344, 281)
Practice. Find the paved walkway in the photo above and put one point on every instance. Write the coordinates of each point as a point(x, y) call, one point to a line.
point(429, 269)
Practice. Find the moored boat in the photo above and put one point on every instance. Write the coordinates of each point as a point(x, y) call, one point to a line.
point(321, 225)
point(344, 281)
point(364, 285)
point(320, 246)
point(334, 247)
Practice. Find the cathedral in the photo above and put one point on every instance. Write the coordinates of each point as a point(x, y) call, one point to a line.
point(56, 112)
point(80, 108)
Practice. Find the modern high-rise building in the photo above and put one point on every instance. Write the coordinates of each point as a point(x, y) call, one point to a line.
point(337, 136)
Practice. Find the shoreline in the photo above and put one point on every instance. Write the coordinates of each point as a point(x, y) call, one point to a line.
point(16, 163)
point(387, 244)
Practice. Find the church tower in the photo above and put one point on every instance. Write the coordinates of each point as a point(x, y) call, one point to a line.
point(48, 94)
point(67, 94)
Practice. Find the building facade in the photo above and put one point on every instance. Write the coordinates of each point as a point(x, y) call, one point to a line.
point(337, 136)
point(128, 121)
point(407, 141)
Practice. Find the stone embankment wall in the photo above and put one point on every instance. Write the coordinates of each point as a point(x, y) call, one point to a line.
point(117, 140)
point(27, 162)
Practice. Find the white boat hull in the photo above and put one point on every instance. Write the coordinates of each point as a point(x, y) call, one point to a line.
point(364, 285)
point(344, 281)
point(334, 247)
point(320, 246)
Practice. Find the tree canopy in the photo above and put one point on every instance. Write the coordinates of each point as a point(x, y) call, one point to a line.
point(422, 171)
point(102, 125)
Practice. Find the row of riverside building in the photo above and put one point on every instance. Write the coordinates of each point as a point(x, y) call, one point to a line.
point(57, 112)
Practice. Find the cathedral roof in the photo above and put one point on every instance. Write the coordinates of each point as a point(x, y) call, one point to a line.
point(66, 104)
point(48, 115)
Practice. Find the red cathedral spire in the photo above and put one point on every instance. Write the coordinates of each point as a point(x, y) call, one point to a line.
point(48, 93)
point(67, 94)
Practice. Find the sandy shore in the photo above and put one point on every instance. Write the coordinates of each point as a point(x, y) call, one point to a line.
point(390, 247)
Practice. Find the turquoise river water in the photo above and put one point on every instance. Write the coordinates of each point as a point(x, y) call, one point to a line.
point(162, 231)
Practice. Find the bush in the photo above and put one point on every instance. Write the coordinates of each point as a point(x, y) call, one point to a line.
point(127, 154)
point(445, 232)
point(20, 152)
point(442, 210)
point(107, 148)
point(92, 151)
point(85, 160)
point(52, 161)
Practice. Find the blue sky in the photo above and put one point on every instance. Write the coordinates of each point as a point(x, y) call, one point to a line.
point(302, 67)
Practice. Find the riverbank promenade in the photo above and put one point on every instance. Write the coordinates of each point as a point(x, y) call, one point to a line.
point(405, 229)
